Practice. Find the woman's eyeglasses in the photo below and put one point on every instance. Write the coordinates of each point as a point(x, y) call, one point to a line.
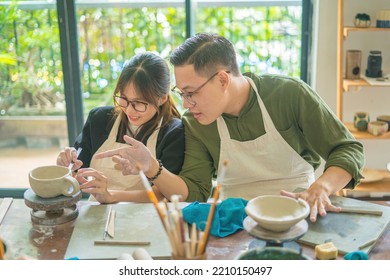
point(139, 106)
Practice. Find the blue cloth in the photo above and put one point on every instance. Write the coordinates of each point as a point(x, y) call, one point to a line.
point(228, 217)
point(357, 255)
point(72, 258)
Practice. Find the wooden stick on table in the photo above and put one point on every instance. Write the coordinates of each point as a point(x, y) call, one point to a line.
point(121, 242)
point(361, 211)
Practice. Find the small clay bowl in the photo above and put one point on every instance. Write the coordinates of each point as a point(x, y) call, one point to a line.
point(277, 213)
point(377, 127)
point(384, 118)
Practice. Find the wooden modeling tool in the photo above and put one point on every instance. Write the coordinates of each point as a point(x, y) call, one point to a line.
point(107, 223)
point(361, 211)
point(111, 224)
point(121, 242)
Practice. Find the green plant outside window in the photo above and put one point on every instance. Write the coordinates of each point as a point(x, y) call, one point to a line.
point(267, 40)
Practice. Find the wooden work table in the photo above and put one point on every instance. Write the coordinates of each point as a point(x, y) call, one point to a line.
point(50, 242)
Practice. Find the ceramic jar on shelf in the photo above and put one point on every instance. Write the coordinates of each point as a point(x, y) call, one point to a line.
point(361, 120)
point(377, 127)
point(362, 20)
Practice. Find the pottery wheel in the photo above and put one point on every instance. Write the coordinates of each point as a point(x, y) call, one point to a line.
point(294, 233)
point(52, 211)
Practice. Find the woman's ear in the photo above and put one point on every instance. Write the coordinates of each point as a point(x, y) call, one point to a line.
point(162, 100)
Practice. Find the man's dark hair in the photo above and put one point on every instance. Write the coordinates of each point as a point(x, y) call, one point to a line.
point(208, 53)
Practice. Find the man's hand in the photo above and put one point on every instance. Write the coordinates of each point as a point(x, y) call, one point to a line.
point(318, 200)
point(129, 157)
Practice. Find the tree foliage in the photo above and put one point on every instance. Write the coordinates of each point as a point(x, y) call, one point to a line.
point(267, 40)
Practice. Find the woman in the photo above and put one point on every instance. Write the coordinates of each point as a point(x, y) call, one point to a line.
point(143, 110)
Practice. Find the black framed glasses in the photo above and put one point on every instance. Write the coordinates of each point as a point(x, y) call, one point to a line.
point(188, 95)
point(139, 106)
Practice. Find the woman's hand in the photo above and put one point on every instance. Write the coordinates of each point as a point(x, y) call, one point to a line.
point(96, 184)
point(67, 156)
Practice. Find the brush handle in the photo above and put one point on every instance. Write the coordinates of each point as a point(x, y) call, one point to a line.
point(209, 220)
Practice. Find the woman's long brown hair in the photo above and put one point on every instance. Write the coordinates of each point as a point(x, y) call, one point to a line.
point(150, 77)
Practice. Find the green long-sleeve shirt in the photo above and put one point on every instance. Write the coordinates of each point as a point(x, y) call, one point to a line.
point(298, 113)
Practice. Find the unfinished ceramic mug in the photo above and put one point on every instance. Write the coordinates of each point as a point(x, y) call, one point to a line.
point(53, 180)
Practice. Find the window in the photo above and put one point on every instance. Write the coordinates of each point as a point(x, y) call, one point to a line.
point(266, 34)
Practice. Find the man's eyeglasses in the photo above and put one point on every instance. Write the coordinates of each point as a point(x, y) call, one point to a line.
point(188, 96)
point(139, 106)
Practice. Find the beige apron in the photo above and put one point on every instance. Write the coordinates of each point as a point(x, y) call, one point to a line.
point(265, 165)
point(116, 180)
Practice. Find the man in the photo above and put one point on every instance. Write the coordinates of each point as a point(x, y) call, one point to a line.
point(271, 129)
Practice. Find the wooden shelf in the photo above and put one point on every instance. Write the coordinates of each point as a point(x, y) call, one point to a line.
point(364, 134)
point(348, 29)
point(354, 83)
point(377, 189)
point(347, 84)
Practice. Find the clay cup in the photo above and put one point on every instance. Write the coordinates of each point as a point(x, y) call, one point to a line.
point(53, 180)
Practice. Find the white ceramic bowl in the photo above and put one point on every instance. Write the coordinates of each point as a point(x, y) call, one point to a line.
point(377, 127)
point(277, 213)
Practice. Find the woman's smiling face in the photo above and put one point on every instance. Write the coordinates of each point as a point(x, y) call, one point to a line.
point(135, 117)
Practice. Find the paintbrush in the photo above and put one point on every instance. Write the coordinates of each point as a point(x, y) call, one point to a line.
point(193, 239)
point(175, 200)
point(212, 209)
point(151, 194)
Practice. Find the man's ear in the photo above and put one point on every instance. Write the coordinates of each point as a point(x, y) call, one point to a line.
point(224, 79)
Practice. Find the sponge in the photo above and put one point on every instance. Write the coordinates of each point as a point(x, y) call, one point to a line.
point(326, 251)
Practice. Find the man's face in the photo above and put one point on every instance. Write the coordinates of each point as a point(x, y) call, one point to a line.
point(203, 96)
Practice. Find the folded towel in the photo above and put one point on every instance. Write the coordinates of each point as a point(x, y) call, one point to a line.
point(356, 255)
point(228, 217)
